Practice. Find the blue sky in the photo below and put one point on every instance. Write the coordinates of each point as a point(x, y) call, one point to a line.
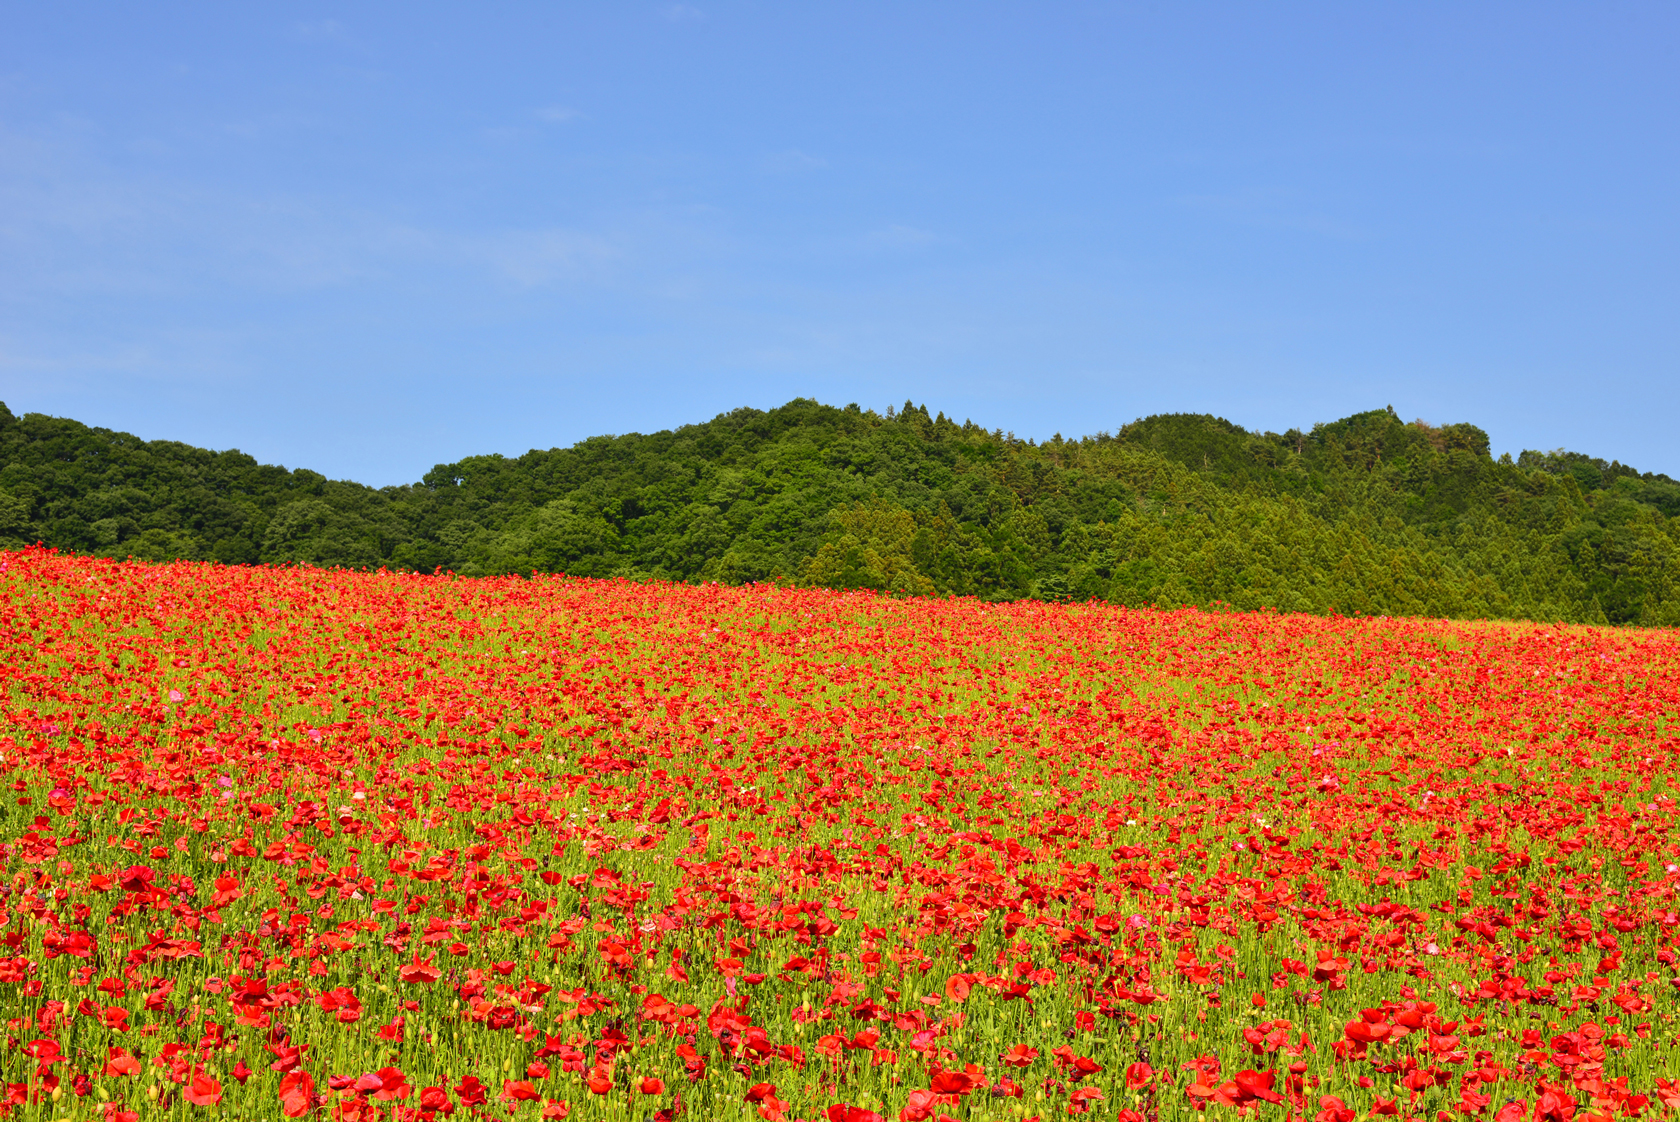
point(367, 238)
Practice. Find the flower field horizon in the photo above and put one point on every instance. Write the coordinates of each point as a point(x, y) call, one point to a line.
point(375, 846)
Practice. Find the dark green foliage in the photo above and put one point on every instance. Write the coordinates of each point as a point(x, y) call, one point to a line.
point(1367, 514)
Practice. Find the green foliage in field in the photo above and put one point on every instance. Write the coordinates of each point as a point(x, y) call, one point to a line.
point(1367, 514)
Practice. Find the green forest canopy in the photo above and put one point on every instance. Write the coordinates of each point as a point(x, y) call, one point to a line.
point(1368, 514)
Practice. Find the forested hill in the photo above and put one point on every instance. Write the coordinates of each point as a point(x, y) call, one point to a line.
point(1368, 514)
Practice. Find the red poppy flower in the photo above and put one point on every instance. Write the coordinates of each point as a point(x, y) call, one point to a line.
point(436, 1100)
point(44, 1051)
point(419, 973)
point(393, 1085)
point(1020, 1055)
point(517, 1090)
point(841, 1112)
point(297, 1093)
point(203, 1091)
point(952, 1083)
point(471, 1091)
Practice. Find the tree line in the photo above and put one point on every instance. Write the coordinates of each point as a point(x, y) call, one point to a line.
point(1369, 514)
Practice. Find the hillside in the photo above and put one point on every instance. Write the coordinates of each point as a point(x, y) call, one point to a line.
point(1368, 514)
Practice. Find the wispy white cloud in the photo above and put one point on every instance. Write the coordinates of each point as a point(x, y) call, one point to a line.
point(558, 114)
point(1273, 209)
point(320, 30)
point(72, 226)
point(900, 237)
point(682, 13)
point(791, 161)
point(532, 258)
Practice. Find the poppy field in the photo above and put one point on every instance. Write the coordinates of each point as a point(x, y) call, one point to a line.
point(372, 846)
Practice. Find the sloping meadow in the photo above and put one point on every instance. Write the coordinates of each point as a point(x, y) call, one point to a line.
point(376, 846)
